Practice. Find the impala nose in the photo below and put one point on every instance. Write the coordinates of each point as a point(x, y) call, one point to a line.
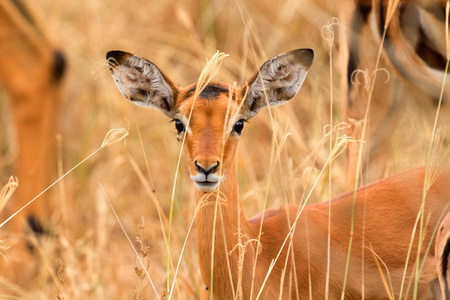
point(206, 179)
point(207, 170)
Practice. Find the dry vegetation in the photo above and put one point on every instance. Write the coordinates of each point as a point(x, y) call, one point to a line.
point(87, 255)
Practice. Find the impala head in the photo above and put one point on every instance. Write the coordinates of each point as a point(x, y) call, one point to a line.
point(211, 132)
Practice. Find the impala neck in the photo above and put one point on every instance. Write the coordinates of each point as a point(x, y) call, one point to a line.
point(231, 228)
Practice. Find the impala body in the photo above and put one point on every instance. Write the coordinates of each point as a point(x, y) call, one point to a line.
point(294, 239)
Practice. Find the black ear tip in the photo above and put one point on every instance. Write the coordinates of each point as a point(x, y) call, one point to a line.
point(304, 56)
point(116, 55)
point(308, 52)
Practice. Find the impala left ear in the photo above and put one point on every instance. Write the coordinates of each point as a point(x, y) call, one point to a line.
point(141, 82)
point(278, 81)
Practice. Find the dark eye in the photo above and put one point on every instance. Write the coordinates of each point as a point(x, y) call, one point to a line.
point(239, 126)
point(179, 126)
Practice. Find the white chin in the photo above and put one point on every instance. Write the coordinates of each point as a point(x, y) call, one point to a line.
point(206, 187)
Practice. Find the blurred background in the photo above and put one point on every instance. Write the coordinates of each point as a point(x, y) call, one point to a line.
point(282, 158)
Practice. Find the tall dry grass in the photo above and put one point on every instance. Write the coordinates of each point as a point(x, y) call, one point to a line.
point(138, 177)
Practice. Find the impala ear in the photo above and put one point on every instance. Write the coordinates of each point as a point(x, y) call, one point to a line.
point(142, 82)
point(278, 81)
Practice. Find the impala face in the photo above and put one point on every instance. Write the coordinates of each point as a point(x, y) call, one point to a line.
point(210, 124)
point(212, 132)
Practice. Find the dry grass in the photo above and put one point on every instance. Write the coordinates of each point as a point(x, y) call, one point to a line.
point(97, 260)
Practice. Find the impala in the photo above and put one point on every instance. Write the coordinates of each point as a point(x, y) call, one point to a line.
point(31, 69)
point(288, 260)
point(410, 73)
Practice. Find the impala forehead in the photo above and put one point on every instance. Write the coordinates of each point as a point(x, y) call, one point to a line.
point(213, 107)
point(208, 114)
point(211, 91)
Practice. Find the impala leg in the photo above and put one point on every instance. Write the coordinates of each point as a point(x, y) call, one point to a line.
point(380, 124)
point(358, 56)
point(30, 71)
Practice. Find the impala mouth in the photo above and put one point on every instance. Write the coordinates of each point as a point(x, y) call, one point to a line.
point(206, 183)
point(206, 186)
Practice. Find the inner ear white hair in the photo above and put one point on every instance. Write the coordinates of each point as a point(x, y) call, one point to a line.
point(141, 81)
point(278, 80)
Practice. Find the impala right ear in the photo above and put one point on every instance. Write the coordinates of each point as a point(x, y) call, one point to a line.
point(140, 81)
point(278, 81)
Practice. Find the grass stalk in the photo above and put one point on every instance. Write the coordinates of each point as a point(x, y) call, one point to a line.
point(181, 255)
point(130, 242)
point(161, 216)
point(328, 35)
point(113, 136)
point(388, 287)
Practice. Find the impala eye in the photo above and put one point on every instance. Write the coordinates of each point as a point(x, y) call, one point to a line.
point(178, 126)
point(239, 126)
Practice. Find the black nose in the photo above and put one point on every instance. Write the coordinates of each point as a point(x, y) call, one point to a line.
point(205, 171)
